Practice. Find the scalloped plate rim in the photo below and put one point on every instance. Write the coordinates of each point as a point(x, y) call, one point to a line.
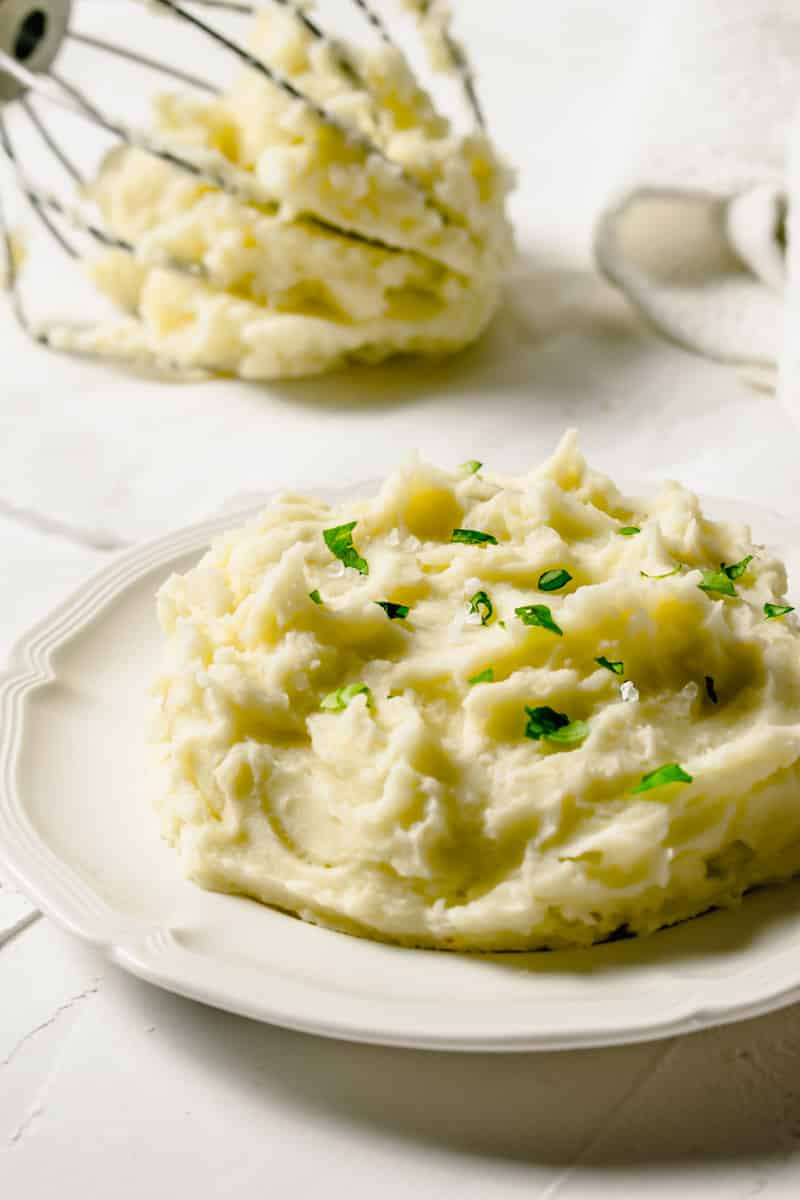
point(145, 953)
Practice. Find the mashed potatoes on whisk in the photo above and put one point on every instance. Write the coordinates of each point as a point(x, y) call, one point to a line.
point(345, 255)
point(483, 712)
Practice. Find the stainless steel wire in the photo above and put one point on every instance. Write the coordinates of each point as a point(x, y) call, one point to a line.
point(47, 85)
point(143, 60)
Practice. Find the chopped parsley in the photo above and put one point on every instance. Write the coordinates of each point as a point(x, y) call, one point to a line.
point(711, 690)
point(545, 722)
point(337, 701)
point(717, 581)
point(568, 735)
point(485, 676)
point(473, 537)
point(339, 541)
point(315, 596)
point(777, 610)
point(471, 466)
point(736, 570)
point(628, 530)
point(538, 614)
point(395, 612)
point(617, 667)
point(669, 773)
point(663, 575)
point(553, 581)
point(481, 604)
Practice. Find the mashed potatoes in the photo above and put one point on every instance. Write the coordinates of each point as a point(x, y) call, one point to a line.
point(483, 712)
point(342, 254)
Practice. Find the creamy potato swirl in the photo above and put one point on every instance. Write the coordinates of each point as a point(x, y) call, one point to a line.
point(579, 713)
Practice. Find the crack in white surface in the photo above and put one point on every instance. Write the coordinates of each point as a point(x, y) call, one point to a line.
point(54, 1016)
point(18, 926)
point(37, 522)
point(644, 1076)
point(30, 1117)
point(36, 1108)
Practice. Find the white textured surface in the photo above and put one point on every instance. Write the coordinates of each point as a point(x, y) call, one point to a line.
point(108, 1087)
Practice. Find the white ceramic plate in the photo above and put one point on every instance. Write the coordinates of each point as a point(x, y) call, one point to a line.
point(77, 833)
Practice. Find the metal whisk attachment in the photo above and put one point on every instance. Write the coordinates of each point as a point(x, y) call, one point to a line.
point(33, 32)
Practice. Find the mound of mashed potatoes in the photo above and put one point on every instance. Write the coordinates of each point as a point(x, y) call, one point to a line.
point(329, 253)
point(482, 712)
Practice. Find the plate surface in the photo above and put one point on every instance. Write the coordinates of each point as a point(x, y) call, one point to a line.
point(77, 833)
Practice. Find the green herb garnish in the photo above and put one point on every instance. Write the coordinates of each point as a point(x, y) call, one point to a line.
point(628, 530)
point(663, 575)
point(553, 581)
point(669, 773)
point(711, 690)
point(538, 614)
point(736, 569)
point(480, 603)
point(472, 466)
point(485, 676)
point(473, 537)
point(395, 612)
point(568, 735)
point(717, 581)
point(339, 541)
point(339, 700)
point(777, 610)
point(617, 667)
point(315, 596)
point(545, 722)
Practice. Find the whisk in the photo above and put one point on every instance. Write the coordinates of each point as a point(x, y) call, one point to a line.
point(33, 32)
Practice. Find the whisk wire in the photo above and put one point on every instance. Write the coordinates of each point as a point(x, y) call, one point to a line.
point(51, 143)
point(374, 20)
point(235, 6)
point(343, 59)
point(454, 49)
point(219, 173)
point(143, 60)
point(275, 77)
point(234, 182)
point(36, 199)
point(460, 61)
point(207, 166)
point(42, 201)
point(68, 96)
point(353, 136)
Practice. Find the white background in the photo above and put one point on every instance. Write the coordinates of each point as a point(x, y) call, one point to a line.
point(110, 1088)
